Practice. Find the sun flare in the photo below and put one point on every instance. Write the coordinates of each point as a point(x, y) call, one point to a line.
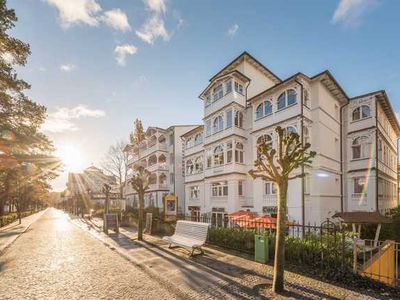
point(71, 157)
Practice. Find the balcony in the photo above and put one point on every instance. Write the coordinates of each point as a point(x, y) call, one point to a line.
point(194, 177)
point(223, 133)
point(225, 169)
point(225, 100)
point(269, 200)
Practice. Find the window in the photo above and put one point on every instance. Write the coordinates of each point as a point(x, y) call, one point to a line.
point(239, 153)
point(360, 147)
point(153, 179)
point(282, 101)
point(240, 188)
point(359, 185)
point(291, 97)
point(208, 100)
point(189, 167)
point(218, 92)
point(268, 108)
point(208, 127)
point(219, 189)
point(218, 156)
point(290, 129)
point(228, 87)
point(219, 217)
point(239, 119)
point(266, 139)
point(209, 158)
point(270, 188)
point(198, 164)
point(361, 112)
point(198, 139)
point(238, 88)
point(229, 152)
point(189, 143)
point(287, 98)
point(218, 124)
point(306, 135)
point(260, 111)
point(229, 119)
point(194, 192)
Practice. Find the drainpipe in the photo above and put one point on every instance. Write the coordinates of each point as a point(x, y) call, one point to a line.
point(303, 209)
point(376, 155)
point(341, 160)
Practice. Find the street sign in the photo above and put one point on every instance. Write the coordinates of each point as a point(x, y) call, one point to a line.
point(112, 222)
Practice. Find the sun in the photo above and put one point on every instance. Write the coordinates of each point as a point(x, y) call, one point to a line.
point(71, 157)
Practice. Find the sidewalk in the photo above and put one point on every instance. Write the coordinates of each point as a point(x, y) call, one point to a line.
point(10, 232)
point(214, 275)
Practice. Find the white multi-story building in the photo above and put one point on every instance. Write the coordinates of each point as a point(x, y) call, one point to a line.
point(244, 103)
point(161, 154)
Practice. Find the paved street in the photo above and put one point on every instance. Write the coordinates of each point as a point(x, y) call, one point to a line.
point(54, 259)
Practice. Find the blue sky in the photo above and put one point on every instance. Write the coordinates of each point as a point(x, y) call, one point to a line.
point(97, 65)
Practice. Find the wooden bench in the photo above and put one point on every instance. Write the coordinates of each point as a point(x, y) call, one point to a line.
point(189, 235)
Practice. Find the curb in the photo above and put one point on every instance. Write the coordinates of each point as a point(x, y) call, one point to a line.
point(7, 245)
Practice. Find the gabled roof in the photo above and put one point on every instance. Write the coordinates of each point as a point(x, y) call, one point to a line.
point(190, 132)
point(276, 86)
point(235, 73)
point(383, 99)
point(238, 60)
point(332, 85)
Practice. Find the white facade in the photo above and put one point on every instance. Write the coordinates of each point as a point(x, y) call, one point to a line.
point(244, 103)
point(161, 154)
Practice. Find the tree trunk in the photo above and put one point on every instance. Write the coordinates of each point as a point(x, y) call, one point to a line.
point(140, 219)
point(279, 262)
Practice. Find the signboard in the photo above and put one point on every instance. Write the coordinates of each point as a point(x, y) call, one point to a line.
point(112, 222)
point(170, 207)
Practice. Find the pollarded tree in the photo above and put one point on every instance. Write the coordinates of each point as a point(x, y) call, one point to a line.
point(141, 178)
point(140, 183)
point(278, 165)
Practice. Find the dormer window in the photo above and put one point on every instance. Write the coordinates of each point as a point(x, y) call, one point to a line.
point(238, 88)
point(361, 112)
point(218, 92)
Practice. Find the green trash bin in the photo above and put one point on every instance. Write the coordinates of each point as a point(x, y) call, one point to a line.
point(261, 248)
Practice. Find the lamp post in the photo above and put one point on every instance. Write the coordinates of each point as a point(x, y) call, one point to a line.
point(106, 190)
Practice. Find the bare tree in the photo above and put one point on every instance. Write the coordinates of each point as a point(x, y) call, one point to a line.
point(116, 163)
point(277, 165)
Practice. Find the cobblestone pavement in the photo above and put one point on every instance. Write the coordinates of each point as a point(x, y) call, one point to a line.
point(54, 259)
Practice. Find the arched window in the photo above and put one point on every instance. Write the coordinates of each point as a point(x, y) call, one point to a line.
point(198, 164)
point(152, 160)
point(239, 119)
point(239, 152)
point(260, 111)
point(361, 112)
point(282, 101)
point(162, 179)
point(198, 139)
point(153, 179)
point(161, 139)
point(291, 97)
point(162, 159)
point(218, 124)
point(218, 156)
point(291, 129)
point(268, 108)
point(360, 147)
point(189, 167)
point(287, 98)
point(189, 143)
point(266, 139)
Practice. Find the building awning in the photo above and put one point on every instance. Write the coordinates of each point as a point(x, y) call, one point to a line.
point(362, 217)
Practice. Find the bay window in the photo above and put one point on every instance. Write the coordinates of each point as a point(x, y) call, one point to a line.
point(229, 119)
point(239, 152)
point(218, 156)
point(218, 92)
point(229, 152)
point(238, 88)
point(239, 119)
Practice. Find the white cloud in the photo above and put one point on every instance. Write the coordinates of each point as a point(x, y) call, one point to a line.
point(122, 51)
point(233, 29)
point(158, 6)
point(116, 19)
point(67, 67)
point(350, 11)
point(63, 119)
point(152, 29)
point(73, 12)
point(154, 26)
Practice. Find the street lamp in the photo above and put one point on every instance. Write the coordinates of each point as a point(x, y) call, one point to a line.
point(106, 190)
